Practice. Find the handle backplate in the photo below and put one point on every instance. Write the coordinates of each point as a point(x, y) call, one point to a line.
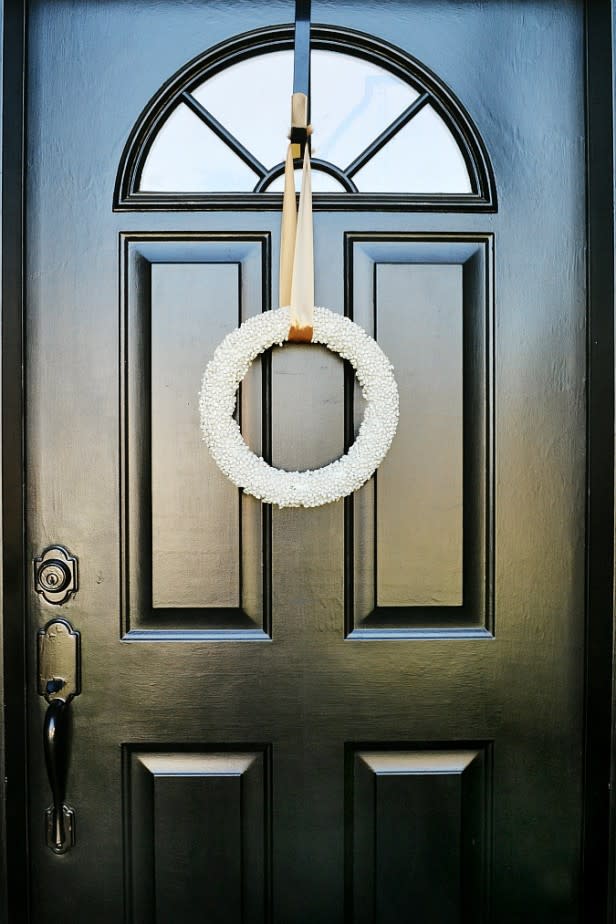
point(59, 667)
point(59, 681)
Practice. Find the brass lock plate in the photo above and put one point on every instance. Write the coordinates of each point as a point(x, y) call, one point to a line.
point(59, 665)
point(55, 575)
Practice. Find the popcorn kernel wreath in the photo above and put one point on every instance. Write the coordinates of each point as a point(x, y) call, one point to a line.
point(310, 488)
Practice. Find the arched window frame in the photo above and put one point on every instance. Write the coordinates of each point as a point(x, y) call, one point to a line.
point(128, 196)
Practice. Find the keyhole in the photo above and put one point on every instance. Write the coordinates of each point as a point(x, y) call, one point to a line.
point(54, 576)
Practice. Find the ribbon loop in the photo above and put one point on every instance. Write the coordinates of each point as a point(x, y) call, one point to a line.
point(288, 231)
point(296, 239)
point(302, 283)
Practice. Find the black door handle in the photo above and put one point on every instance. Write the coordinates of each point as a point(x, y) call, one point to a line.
point(59, 682)
point(60, 818)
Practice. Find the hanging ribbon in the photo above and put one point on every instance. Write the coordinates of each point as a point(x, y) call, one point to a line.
point(296, 236)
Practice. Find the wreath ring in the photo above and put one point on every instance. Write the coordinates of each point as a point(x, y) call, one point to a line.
point(310, 488)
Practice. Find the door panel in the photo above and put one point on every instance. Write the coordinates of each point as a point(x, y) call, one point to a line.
point(418, 815)
point(370, 711)
point(196, 556)
point(194, 811)
point(423, 553)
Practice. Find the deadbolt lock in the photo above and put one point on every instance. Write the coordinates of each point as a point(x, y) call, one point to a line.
point(55, 574)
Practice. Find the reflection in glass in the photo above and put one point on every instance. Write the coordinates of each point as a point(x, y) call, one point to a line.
point(352, 102)
point(252, 99)
point(423, 157)
point(186, 156)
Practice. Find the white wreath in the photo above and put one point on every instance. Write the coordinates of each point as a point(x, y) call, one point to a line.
point(311, 488)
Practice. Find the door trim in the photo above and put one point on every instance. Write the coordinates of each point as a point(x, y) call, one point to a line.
point(599, 847)
point(14, 893)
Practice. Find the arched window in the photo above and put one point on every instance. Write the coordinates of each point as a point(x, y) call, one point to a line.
point(386, 130)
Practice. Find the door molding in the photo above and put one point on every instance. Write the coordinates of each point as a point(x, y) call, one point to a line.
point(128, 197)
point(14, 891)
point(599, 849)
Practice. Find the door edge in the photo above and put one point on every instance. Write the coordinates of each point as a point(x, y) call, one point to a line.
point(599, 807)
point(13, 808)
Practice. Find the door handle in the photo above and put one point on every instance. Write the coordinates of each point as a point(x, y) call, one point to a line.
point(59, 681)
point(60, 818)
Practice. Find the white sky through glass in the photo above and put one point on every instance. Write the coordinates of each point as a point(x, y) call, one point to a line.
point(353, 101)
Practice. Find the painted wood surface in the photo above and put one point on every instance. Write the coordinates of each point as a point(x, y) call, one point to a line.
point(501, 684)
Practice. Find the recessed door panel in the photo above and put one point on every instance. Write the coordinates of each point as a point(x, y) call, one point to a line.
point(199, 834)
point(419, 816)
point(421, 531)
point(196, 550)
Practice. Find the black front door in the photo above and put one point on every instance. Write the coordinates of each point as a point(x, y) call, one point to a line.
point(369, 711)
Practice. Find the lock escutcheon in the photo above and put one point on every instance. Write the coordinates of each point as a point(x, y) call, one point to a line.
point(55, 575)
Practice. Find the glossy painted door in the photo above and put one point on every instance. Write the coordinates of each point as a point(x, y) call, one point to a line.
point(370, 711)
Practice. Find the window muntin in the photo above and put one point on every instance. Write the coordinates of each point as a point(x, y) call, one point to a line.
point(354, 101)
point(321, 182)
point(423, 157)
point(186, 155)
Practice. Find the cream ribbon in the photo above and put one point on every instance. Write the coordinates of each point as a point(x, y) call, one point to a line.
point(296, 244)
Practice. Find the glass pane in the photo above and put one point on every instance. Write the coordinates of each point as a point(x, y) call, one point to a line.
point(423, 157)
point(321, 182)
point(252, 99)
point(186, 156)
point(352, 102)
